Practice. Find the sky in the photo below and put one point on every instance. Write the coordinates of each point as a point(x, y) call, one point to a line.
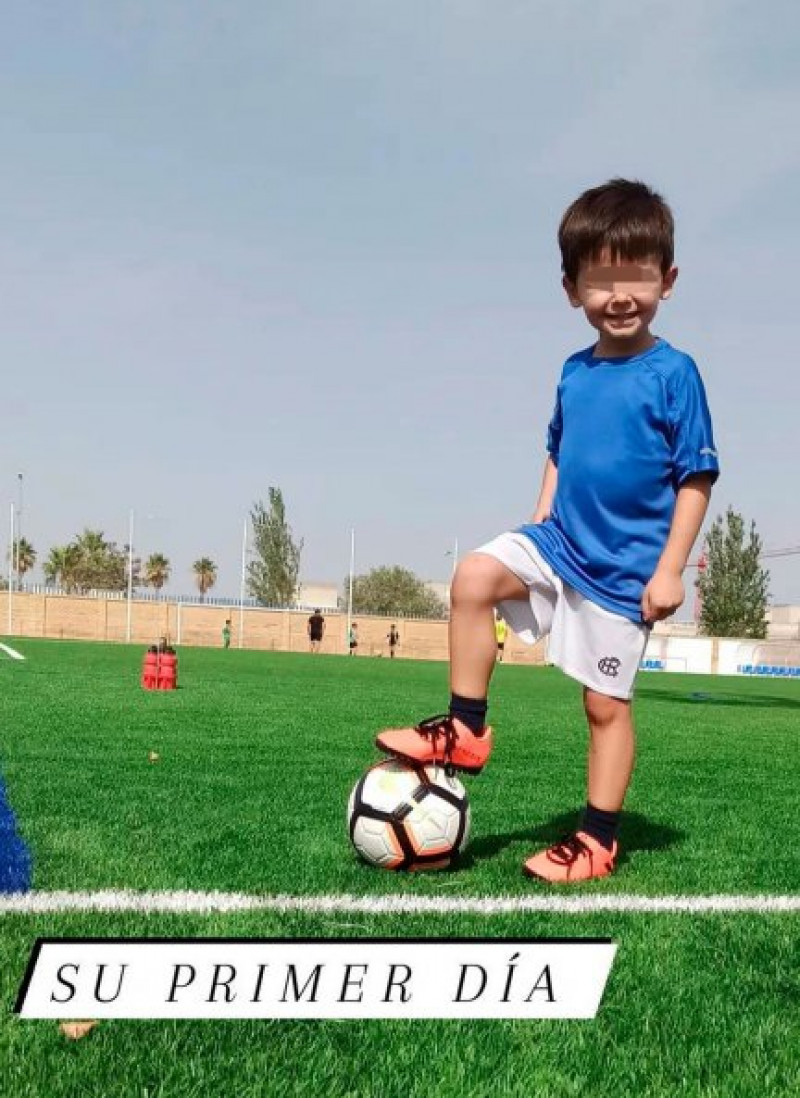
point(312, 245)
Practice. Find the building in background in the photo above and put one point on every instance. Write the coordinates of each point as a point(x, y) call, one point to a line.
point(783, 622)
point(322, 595)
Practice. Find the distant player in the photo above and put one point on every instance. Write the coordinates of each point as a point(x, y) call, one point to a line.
point(226, 634)
point(352, 639)
point(316, 630)
point(500, 633)
point(625, 489)
point(393, 637)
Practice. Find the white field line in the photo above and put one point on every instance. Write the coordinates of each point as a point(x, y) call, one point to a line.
point(202, 903)
point(12, 652)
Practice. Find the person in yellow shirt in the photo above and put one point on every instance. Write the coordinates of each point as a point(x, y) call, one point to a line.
point(500, 632)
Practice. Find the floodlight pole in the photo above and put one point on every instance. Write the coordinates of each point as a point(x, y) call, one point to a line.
point(19, 528)
point(350, 588)
point(10, 569)
point(130, 577)
point(241, 585)
point(455, 556)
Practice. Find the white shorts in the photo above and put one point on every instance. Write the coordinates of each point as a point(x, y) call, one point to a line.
point(600, 649)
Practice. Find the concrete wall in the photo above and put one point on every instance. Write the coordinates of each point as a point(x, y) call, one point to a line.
point(72, 616)
point(722, 656)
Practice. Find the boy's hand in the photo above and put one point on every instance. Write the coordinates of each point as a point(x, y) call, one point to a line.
point(663, 595)
point(540, 515)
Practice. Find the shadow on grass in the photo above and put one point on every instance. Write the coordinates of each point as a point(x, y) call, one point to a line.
point(752, 701)
point(636, 833)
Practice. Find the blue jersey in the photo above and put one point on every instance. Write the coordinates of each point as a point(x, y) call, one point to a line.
point(625, 434)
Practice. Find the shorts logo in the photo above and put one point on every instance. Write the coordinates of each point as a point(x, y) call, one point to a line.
point(609, 665)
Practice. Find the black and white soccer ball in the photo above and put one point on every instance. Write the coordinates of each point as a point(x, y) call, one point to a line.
point(408, 816)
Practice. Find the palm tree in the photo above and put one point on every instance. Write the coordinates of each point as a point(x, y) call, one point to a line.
point(61, 566)
point(156, 571)
point(92, 544)
point(92, 551)
point(23, 559)
point(205, 574)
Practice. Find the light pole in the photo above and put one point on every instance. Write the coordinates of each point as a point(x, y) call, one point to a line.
point(10, 569)
point(19, 526)
point(702, 565)
point(350, 588)
point(242, 584)
point(454, 554)
point(130, 578)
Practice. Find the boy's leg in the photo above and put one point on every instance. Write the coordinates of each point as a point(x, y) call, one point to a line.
point(480, 582)
point(603, 651)
point(611, 749)
point(591, 852)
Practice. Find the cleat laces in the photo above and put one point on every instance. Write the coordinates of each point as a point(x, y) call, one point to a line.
point(568, 851)
point(436, 728)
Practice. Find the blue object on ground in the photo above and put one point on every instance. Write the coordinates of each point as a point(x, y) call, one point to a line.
point(16, 867)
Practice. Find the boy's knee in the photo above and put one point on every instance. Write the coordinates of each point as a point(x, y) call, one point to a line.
point(602, 710)
point(474, 580)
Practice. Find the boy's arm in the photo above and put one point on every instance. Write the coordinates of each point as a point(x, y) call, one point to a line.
point(665, 593)
point(547, 491)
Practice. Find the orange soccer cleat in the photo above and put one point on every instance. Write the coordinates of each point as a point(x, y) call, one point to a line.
point(444, 739)
point(578, 857)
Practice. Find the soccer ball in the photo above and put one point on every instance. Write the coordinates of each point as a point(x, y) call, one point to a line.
point(406, 816)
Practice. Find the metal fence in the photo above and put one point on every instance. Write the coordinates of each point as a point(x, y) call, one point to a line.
point(230, 603)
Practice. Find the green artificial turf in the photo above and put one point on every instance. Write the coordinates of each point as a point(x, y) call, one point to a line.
point(257, 755)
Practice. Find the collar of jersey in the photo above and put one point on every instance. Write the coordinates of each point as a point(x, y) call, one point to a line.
point(623, 360)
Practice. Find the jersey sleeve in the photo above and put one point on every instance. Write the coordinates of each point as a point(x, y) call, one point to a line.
point(693, 447)
point(554, 429)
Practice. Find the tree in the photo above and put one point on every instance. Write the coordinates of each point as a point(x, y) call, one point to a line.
point(734, 588)
point(23, 557)
point(205, 574)
point(156, 571)
point(90, 562)
point(272, 577)
point(394, 590)
point(60, 567)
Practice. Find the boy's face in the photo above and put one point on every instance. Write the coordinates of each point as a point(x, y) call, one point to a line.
point(620, 298)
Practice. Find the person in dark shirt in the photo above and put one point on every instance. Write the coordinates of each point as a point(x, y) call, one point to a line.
point(316, 630)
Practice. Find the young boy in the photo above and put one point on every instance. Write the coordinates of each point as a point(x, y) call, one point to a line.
point(624, 493)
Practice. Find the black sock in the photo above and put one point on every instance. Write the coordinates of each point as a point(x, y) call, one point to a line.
point(472, 711)
point(601, 825)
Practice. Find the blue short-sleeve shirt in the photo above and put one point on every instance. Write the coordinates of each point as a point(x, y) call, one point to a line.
point(625, 434)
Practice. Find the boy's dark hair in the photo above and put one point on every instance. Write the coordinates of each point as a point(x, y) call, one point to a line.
point(624, 216)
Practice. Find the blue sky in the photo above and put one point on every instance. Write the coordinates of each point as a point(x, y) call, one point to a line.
point(312, 245)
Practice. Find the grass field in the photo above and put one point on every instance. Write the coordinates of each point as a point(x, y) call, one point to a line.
point(258, 753)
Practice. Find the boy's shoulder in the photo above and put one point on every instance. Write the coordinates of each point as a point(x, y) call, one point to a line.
point(670, 363)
